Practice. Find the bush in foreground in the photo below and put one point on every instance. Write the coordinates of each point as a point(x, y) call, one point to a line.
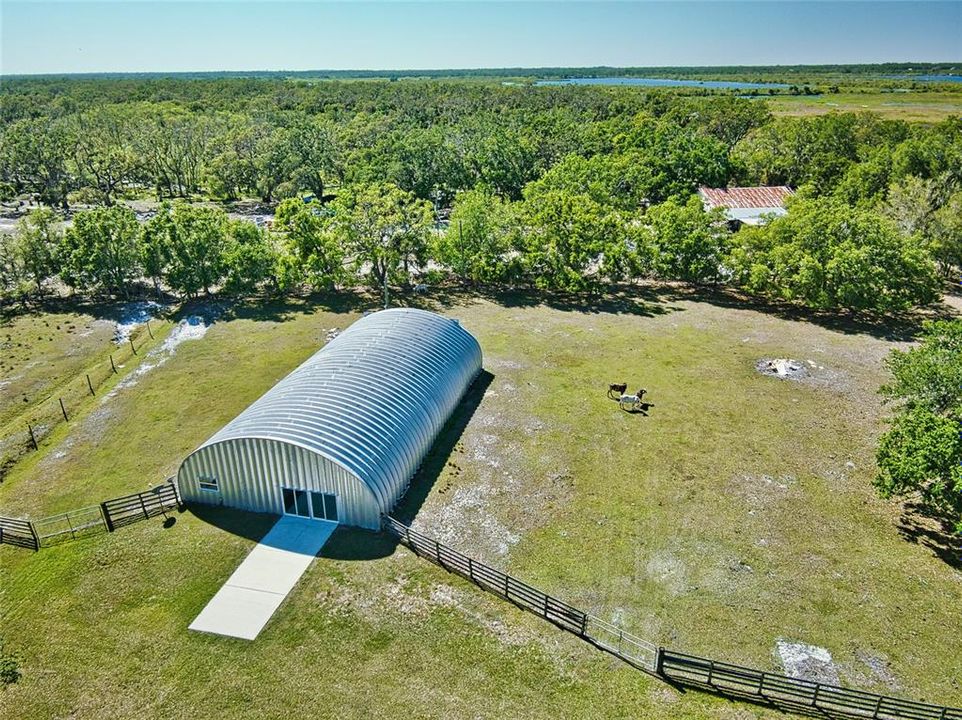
point(922, 451)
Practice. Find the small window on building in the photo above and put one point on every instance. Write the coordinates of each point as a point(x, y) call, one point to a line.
point(208, 483)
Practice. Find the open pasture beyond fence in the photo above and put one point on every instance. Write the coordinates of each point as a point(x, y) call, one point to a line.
point(28, 429)
point(794, 694)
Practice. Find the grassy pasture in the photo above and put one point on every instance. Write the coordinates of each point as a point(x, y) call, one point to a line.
point(929, 107)
point(737, 512)
point(40, 352)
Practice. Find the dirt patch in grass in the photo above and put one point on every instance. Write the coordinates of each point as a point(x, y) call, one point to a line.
point(476, 502)
point(807, 662)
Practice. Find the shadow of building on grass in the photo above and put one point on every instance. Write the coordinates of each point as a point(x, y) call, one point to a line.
point(349, 543)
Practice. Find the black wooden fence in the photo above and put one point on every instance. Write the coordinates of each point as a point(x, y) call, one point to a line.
point(793, 693)
point(634, 650)
point(495, 581)
point(140, 506)
point(108, 515)
point(14, 531)
point(721, 678)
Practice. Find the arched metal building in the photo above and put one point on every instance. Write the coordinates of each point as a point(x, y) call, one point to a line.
point(342, 435)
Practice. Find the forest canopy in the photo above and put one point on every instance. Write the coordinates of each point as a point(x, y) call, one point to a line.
point(562, 188)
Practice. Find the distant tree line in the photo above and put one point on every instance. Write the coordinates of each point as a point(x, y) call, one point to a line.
point(568, 188)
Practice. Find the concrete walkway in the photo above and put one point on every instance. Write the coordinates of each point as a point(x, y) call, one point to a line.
point(244, 604)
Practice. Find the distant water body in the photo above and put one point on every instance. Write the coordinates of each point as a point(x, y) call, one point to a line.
point(929, 78)
point(662, 82)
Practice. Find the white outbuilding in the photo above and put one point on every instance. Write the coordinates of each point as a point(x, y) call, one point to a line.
point(342, 435)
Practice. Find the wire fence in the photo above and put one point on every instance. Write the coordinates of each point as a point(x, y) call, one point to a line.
point(69, 525)
point(780, 691)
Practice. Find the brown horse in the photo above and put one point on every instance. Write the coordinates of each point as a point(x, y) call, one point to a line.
point(615, 391)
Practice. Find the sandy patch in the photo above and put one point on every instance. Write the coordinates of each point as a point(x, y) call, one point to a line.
point(132, 315)
point(807, 662)
point(193, 328)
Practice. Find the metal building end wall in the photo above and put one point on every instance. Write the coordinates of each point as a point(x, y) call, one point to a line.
point(355, 419)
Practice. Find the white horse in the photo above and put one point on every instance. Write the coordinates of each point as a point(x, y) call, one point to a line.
point(631, 403)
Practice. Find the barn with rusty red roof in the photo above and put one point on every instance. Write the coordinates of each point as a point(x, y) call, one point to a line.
point(747, 205)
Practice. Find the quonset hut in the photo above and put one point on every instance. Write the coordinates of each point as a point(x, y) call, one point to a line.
point(341, 436)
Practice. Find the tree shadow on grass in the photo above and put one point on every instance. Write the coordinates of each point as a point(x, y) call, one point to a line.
point(896, 327)
point(279, 309)
point(98, 308)
point(935, 532)
point(653, 298)
point(637, 300)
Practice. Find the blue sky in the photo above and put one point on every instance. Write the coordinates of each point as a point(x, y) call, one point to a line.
point(39, 36)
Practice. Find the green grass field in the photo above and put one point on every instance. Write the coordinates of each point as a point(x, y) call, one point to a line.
point(929, 107)
point(738, 512)
point(42, 351)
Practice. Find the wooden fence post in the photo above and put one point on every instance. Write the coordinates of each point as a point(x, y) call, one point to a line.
point(660, 661)
point(471, 569)
point(437, 554)
point(150, 332)
point(131, 341)
point(106, 513)
point(36, 538)
point(33, 439)
point(63, 409)
point(180, 501)
point(143, 505)
point(90, 384)
point(112, 366)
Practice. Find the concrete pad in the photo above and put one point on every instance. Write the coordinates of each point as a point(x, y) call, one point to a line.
point(251, 595)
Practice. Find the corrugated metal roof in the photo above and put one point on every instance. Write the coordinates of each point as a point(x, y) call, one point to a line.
point(372, 400)
point(746, 197)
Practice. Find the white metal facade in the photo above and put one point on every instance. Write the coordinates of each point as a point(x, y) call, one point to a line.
point(356, 420)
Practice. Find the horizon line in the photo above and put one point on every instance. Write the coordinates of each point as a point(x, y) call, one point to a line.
point(506, 68)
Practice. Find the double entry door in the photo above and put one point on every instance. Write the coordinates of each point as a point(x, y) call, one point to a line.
point(310, 504)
